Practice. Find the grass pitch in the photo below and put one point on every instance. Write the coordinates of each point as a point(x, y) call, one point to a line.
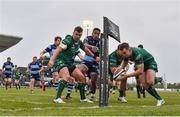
point(21, 102)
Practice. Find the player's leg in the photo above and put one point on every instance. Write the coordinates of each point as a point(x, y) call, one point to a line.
point(122, 91)
point(16, 83)
point(55, 79)
point(143, 83)
point(84, 69)
point(82, 82)
point(65, 75)
point(70, 87)
point(94, 77)
point(38, 81)
point(111, 83)
point(113, 86)
point(6, 82)
point(10, 81)
point(150, 76)
point(31, 85)
point(143, 92)
point(138, 87)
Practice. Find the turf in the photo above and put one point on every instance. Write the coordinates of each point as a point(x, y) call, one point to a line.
point(21, 102)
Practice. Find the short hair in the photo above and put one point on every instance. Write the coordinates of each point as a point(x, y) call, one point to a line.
point(8, 57)
point(140, 46)
point(96, 29)
point(123, 46)
point(78, 29)
point(57, 37)
point(34, 57)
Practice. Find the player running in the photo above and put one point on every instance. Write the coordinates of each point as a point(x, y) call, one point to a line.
point(146, 68)
point(64, 54)
point(92, 42)
point(17, 77)
point(50, 49)
point(35, 68)
point(116, 64)
point(7, 70)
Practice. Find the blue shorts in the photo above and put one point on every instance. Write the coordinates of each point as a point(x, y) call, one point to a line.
point(36, 77)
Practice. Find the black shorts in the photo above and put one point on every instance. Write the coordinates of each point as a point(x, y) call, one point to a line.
point(71, 69)
point(92, 68)
point(8, 76)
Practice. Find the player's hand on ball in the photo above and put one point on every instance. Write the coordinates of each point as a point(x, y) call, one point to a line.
point(50, 64)
point(123, 77)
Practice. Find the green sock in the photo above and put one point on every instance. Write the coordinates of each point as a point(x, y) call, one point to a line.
point(138, 89)
point(121, 93)
point(151, 90)
point(82, 90)
point(68, 95)
point(61, 86)
point(156, 93)
point(157, 80)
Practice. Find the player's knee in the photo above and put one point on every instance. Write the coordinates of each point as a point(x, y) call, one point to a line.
point(67, 78)
point(9, 80)
point(150, 82)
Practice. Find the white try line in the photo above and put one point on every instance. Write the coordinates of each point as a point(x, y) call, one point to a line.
point(86, 107)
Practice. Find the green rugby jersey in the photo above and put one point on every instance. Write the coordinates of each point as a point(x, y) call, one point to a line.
point(115, 59)
point(68, 55)
point(17, 75)
point(140, 56)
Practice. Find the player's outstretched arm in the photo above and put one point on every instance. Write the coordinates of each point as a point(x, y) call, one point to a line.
point(88, 52)
point(139, 71)
point(42, 53)
point(55, 54)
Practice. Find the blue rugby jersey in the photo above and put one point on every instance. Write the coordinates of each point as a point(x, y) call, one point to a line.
point(8, 66)
point(94, 42)
point(34, 68)
point(50, 49)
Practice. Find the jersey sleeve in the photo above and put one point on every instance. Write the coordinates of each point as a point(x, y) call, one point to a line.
point(12, 65)
point(77, 53)
point(85, 41)
point(138, 59)
point(65, 43)
point(82, 46)
point(112, 61)
point(40, 65)
point(49, 48)
point(3, 66)
point(29, 66)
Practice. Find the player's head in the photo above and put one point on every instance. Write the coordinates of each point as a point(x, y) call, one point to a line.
point(57, 40)
point(8, 59)
point(125, 50)
point(34, 58)
point(96, 32)
point(140, 46)
point(77, 33)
